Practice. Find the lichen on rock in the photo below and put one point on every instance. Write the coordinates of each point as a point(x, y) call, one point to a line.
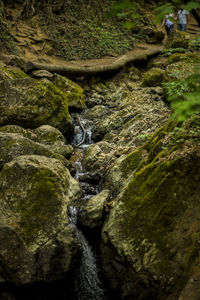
point(35, 194)
point(32, 103)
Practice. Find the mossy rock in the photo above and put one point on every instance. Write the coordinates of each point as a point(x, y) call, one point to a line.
point(44, 137)
point(153, 77)
point(143, 234)
point(74, 92)
point(177, 39)
point(31, 103)
point(11, 73)
point(37, 244)
point(14, 145)
point(186, 57)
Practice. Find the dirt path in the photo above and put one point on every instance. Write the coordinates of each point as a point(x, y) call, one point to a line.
point(34, 45)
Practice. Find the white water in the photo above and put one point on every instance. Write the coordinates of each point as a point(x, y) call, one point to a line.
point(87, 283)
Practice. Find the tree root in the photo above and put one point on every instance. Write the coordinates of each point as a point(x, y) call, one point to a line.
point(78, 71)
point(83, 129)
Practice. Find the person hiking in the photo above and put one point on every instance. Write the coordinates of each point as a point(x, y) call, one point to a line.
point(168, 23)
point(182, 17)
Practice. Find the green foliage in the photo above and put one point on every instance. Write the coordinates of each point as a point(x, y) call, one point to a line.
point(170, 51)
point(189, 105)
point(195, 43)
point(163, 10)
point(184, 96)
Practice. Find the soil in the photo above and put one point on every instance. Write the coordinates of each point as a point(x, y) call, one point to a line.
point(36, 46)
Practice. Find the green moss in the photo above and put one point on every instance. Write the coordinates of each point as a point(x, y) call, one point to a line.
point(40, 210)
point(153, 77)
point(72, 90)
point(131, 162)
point(187, 57)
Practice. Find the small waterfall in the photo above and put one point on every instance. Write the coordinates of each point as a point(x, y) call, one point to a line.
point(87, 283)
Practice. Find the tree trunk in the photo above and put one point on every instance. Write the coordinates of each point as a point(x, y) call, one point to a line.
point(196, 16)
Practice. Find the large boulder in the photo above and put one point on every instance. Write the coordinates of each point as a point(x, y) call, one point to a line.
point(32, 103)
point(150, 239)
point(14, 145)
point(38, 244)
point(74, 92)
point(11, 72)
point(48, 136)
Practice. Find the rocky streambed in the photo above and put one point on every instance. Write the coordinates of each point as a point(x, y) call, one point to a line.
point(99, 193)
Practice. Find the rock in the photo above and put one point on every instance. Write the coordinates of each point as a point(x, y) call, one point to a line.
point(154, 77)
point(97, 156)
point(53, 139)
point(74, 92)
point(191, 290)
point(148, 239)
point(32, 103)
point(42, 74)
point(177, 39)
point(91, 214)
point(11, 73)
point(185, 57)
point(14, 145)
point(50, 138)
point(154, 35)
point(38, 243)
point(179, 71)
point(117, 175)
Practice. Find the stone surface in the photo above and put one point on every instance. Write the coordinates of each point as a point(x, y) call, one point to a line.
point(74, 92)
point(154, 77)
point(148, 239)
point(14, 145)
point(37, 241)
point(177, 39)
point(32, 103)
point(91, 214)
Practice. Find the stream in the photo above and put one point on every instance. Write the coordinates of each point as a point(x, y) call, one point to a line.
point(88, 285)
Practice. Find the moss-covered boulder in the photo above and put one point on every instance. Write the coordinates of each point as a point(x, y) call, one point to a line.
point(32, 103)
point(150, 239)
point(186, 57)
point(14, 145)
point(11, 73)
point(37, 242)
point(50, 138)
point(74, 92)
point(177, 39)
point(177, 75)
point(153, 77)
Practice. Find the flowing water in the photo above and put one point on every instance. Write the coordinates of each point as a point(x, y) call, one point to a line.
point(87, 283)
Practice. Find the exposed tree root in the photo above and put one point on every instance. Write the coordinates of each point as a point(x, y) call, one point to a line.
point(78, 71)
point(83, 129)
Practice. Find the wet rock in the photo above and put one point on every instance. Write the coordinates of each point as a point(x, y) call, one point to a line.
point(31, 103)
point(91, 214)
point(37, 242)
point(97, 156)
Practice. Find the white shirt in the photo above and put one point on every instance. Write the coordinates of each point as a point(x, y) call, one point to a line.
point(182, 19)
